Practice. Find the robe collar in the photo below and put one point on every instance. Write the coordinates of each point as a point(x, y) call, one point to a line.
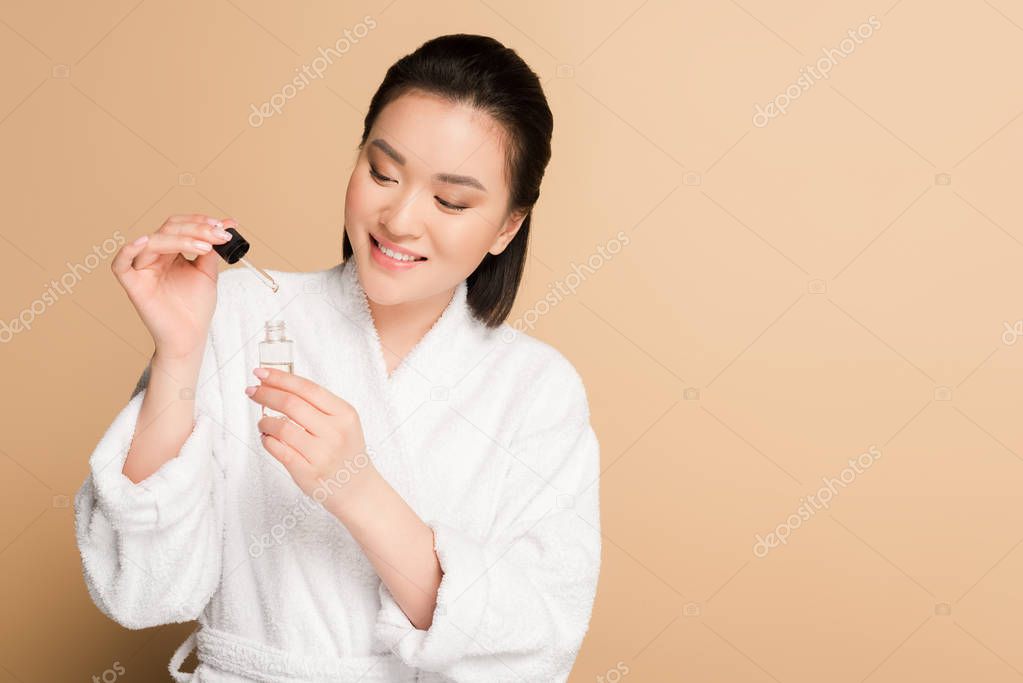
point(435, 358)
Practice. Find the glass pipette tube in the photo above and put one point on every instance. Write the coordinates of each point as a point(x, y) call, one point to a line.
point(261, 274)
point(235, 250)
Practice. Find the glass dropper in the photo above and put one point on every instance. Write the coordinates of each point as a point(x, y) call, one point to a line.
point(235, 250)
point(260, 273)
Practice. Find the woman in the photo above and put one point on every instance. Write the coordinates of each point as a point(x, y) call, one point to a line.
point(428, 510)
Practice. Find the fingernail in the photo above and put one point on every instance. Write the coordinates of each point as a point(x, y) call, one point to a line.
point(140, 240)
point(261, 373)
point(222, 234)
point(250, 390)
point(202, 246)
point(214, 222)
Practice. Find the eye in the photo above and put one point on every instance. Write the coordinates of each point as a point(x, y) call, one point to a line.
point(382, 178)
point(373, 173)
point(446, 205)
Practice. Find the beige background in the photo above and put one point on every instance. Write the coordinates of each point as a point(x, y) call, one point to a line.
point(791, 295)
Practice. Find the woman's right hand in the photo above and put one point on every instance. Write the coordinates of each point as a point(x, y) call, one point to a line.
point(174, 297)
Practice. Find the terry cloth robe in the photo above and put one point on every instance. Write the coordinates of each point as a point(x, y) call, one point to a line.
point(485, 433)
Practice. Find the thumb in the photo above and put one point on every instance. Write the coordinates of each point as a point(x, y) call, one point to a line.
point(209, 263)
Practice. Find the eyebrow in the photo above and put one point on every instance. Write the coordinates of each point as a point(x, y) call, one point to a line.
point(442, 177)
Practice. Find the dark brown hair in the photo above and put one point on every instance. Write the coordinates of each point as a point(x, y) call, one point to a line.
point(482, 73)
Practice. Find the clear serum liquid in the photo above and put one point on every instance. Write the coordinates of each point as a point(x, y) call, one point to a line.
point(276, 351)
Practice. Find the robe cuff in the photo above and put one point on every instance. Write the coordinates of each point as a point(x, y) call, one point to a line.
point(165, 496)
point(461, 601)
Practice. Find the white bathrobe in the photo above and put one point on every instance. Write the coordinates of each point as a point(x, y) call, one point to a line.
point(485, 433)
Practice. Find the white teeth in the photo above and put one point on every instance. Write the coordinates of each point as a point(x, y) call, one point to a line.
point(395, 255)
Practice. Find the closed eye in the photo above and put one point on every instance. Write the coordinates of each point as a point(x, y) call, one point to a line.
point(450, 206)
point(382, 178)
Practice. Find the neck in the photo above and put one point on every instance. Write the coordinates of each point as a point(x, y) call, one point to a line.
point(401, 326)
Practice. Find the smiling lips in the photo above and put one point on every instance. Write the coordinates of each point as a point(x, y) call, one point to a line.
point(394, 249)
point(393, 261)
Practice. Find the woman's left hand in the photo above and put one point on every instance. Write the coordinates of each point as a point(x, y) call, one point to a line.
point(322, 441)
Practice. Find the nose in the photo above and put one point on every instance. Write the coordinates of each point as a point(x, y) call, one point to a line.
point(401, 219)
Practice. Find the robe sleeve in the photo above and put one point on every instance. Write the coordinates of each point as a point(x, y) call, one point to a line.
point(151, 551)
point(515, 605)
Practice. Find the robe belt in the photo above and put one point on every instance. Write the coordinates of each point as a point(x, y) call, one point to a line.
point(223, 651)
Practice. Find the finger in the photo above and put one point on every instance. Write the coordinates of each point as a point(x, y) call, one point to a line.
point(294, 406)
point(288, 432)
point(202, 231)
point(121, 264)
point(192, 218)
point(160, 244)
point(287, 455)
point(313, 394)
point(209, 264)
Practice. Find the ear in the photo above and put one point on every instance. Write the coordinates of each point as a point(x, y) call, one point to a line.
point(508, 230)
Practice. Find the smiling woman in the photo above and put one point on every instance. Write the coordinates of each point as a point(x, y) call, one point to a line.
point(455, 534)
point(453, 152)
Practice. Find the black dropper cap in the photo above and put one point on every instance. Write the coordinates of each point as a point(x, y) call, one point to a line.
point(234, 249)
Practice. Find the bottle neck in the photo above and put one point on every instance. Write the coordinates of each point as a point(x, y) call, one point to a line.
point(275, 332)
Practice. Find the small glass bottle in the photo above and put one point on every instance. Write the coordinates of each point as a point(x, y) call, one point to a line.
point(276, 351)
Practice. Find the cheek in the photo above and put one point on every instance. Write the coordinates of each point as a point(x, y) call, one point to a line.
point(466, 243)
point(357, 197)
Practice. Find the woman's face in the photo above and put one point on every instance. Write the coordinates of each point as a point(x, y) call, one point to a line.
point(430, 180)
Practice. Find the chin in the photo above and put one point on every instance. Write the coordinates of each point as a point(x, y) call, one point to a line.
point(384, 298)
point(379, 288)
